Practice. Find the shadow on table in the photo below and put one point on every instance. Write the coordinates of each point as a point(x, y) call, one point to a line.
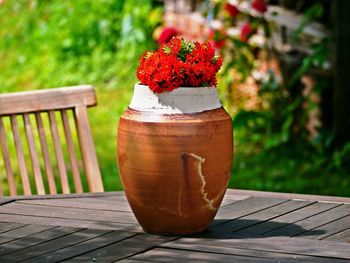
point(244, 228)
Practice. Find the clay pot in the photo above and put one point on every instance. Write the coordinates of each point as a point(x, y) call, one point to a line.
point(175, 153)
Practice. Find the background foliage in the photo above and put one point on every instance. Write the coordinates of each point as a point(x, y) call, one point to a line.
point(47, 44)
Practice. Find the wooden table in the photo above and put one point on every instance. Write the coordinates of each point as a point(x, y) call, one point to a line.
point(249, 227)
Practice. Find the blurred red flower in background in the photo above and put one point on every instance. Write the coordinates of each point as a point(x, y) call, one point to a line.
point(246, 32)
point(260, 6)
point(216, 38)
point(167, 34)
point(232, 10)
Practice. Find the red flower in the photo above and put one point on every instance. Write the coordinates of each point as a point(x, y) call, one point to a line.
point(167, 34)
point(246, 32)
point(179, 63)
point(260, 6)
point(232, 10)
point(216, 38)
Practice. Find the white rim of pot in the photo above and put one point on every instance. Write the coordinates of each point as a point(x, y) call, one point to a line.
point(180, 100)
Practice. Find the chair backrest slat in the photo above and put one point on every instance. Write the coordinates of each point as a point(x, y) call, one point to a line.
point(45, 100)
point(20, 156)
point(45, 153)
point(7, 162)
point(59, 153)
point(55, 162)
point(88, 149)
point(33, 155)
point(72, 156)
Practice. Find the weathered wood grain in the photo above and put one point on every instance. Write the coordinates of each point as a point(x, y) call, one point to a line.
point(231, 198)
point(93, 203)
point(92, 244)
point(35, 239)
point(42, 100)
point(239, 227)
point(243, 208)
point(45, 153)
point(287, 219)
point(22, 232)
point(72, 156)
point(343, 236)
point(305, 197)
point(312, 222)
point(7, 161)
point(5, 226)
point(88, 150)
point(66, 212)
point(299, 246)
point(132, 261)
point(20, 156)
point(259, 254)
point(40, 189)
point(329, 229)
point(92, 224)
point(124, 248)
point(52, 245)
point(175, 255)
point(62, 170)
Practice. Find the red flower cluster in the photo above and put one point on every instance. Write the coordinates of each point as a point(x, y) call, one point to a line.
point(260, 6)
point(179, 63)
point(232, 10)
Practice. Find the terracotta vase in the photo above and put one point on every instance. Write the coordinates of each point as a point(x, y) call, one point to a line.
point(175, 153)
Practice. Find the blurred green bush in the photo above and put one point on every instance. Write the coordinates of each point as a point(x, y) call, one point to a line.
point(45, 44)
point(58, 43)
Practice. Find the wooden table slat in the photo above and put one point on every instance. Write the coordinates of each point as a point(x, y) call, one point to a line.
point(228, 228)
point(245, 207)
point(312, 222)
point(343, 236)
point(92, 204)
point(52, 245)
point(295, 216)
point(26, 219)
point(305, 197)
point(22, 232)
point(81, 248)
point(124, 248)
point(300, 246)
point(5, 226)
point(66, 212)
point(176, 255)
point(329, 229)
point(246, 252)
point(35, 239)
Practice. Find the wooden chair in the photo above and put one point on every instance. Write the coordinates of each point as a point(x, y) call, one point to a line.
point(43, 105)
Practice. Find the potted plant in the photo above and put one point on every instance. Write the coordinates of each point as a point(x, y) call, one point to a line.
point(175, 143)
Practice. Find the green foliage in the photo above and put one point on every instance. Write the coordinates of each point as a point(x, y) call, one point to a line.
point(292, 166)
point(55, 43)
point(314, 12)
